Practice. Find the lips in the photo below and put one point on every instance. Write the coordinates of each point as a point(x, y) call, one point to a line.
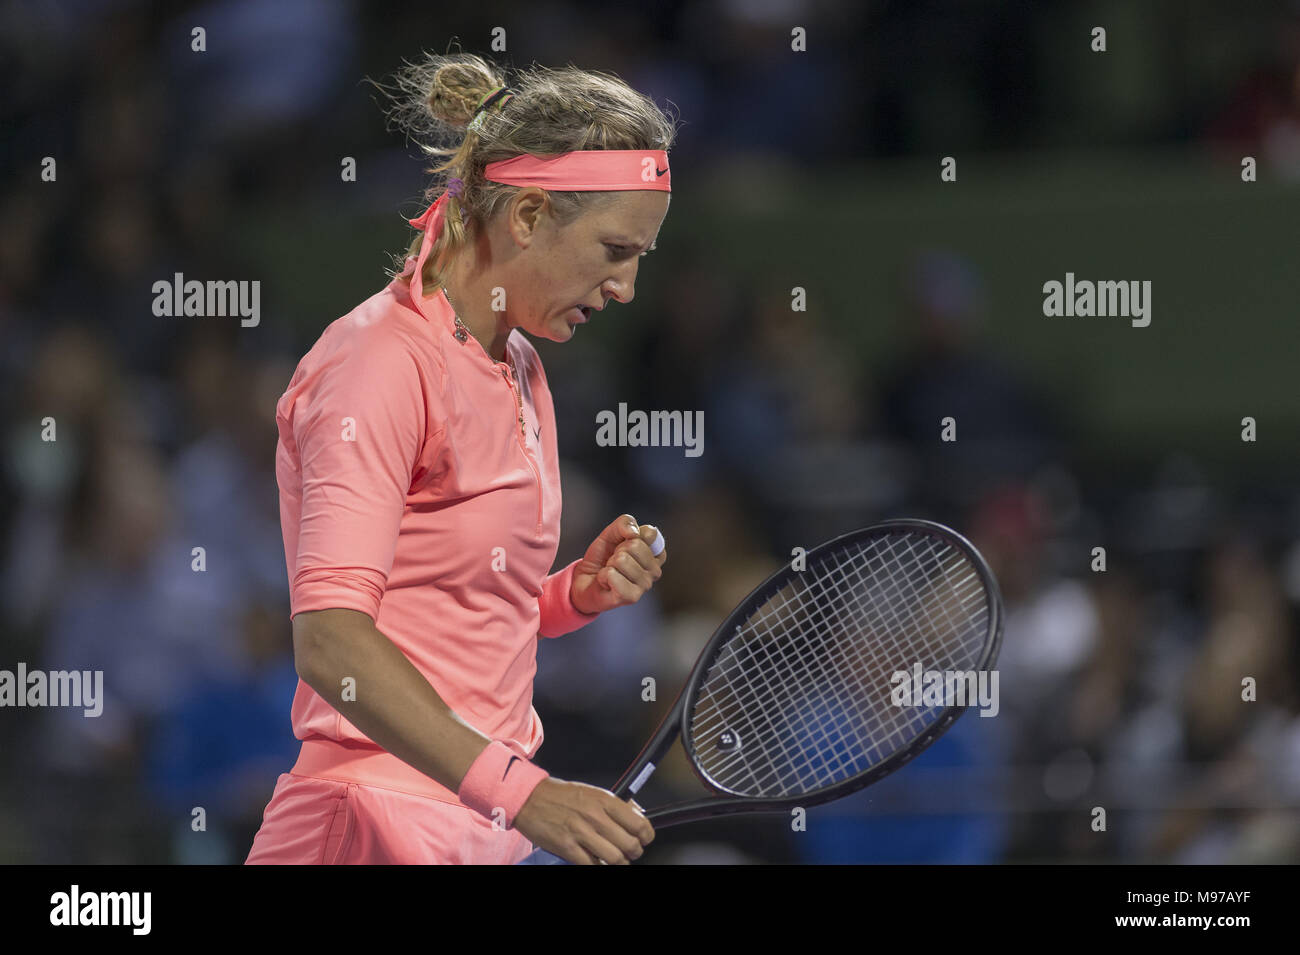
point(580, 316)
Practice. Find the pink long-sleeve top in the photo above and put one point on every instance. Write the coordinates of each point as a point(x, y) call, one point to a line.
point(410, 491)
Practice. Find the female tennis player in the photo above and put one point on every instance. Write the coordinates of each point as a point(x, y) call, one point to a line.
point(420, 489)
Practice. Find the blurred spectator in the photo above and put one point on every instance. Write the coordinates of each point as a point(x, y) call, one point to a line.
point(1002, 427)
point(223, 747)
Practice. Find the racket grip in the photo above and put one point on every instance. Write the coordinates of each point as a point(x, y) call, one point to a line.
point(542, 857)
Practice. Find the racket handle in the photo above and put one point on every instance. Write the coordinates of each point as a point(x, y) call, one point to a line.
point(542, 857)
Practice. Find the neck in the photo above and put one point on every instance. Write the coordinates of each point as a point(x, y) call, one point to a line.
point(469, 289)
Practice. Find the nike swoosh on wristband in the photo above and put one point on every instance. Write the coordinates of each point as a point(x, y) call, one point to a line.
point(659, 172)
point(508, 765)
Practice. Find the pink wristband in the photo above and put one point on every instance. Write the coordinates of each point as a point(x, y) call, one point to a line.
point(499, 780)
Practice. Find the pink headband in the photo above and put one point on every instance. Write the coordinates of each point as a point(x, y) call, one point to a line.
point(588, 170)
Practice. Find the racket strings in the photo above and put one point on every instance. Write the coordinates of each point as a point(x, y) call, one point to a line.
point(908, 599)
point(815, 619)
point(837, 664)
point(804, 686)
point(822, 754)
point(836, 765)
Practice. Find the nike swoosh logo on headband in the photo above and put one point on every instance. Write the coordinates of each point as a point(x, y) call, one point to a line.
point(659, 172)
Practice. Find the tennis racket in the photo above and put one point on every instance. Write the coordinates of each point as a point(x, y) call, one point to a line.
point(792, 701)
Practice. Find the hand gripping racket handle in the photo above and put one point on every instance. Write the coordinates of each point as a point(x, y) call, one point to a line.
point(542, 857)
point(622, 789)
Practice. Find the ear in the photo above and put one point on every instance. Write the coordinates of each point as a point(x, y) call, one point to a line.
point(526, 214)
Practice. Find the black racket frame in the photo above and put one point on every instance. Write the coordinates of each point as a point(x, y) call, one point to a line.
point(674, 722)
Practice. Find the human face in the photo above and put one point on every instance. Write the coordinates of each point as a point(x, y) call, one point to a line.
point(585, 263)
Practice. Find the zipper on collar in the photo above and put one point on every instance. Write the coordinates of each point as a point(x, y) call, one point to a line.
point(519, 401)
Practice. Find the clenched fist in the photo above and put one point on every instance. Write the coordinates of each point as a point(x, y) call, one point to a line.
point(619, 566)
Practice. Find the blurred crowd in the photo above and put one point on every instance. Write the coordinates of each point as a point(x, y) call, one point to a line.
point(1121, 688)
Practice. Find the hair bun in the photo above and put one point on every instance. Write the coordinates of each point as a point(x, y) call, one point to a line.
point(457, 88)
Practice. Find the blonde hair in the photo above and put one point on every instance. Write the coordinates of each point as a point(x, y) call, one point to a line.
point(552, 111)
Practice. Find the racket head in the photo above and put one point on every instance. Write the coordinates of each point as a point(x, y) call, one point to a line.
point(789, 704)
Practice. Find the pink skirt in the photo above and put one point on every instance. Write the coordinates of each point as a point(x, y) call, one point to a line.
point(313, 821)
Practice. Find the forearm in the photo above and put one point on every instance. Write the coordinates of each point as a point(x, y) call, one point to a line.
point(394, 704)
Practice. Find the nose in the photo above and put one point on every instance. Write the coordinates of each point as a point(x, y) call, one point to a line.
point(622, 285)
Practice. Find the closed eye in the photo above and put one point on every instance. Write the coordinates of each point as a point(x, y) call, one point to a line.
point(623, 251)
